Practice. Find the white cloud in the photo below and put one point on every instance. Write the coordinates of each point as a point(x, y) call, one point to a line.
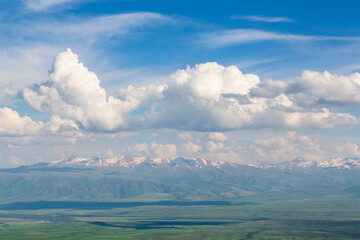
point(154, 149)
point(215, 136)
point(285, 148)
point(292, 119)
point(242, 36)
point(110, 153)
point(15, 161)
point(22, 66)
point(39, 41)
point(40, 5)
point(315, 88)
point(163, 151)
point(211, 80)
point(228, 156)
point(211, 146)
point(11, 123)
point(112, 25)
point(74, 92)
point(16, 130)
point(208, 97)
point(203, 98)
point(58, 124)
point(7, 95)
point(348, 150)
point(140, 147)
point(261, 18)
point(190, 148)
point(80, 31)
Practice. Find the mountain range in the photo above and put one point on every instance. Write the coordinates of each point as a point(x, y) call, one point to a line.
point(192, 163)
point(111, 179)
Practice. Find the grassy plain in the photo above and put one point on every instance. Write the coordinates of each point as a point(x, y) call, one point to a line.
point(249, 218)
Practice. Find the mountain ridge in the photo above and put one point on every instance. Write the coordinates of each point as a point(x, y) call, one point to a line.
point(123, 161)
point(123, 177)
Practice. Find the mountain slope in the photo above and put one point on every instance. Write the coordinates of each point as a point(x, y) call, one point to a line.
point(192, 163)
point(112, 179)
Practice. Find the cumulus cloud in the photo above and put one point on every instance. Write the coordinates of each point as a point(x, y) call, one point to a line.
point(203, 98)
point(212, 146)
point(163, 150)
point(282, 148)
point(11, 123)
point(190, 148)
point(314, 90)
point(73, 92)
point(16, 130)
point(140, 148)
point(208, 97)
point(60, 125)
point(347, 150)
point(154, 149)
point(110, 153)
point(211, 81)
point(22, 66)
point(211, 97)
point(279, 148)
point(15, 161)
point(215, 136)
point(228, 156)
point(7, 95)
point(275, 149)
point(326, 89)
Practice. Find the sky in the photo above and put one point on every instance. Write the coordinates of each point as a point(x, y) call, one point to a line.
point(239, 81)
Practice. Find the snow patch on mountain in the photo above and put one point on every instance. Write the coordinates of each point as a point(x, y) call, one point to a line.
point(337, 163)
point(131, 162)
point(193, 163)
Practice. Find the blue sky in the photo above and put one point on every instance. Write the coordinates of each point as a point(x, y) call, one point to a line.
point(243, 81)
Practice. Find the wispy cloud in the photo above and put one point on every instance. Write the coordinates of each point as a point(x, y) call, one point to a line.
point(41, 5)
point(242, 36)
point(261, 19)
point(42, 40)
point(89, 30)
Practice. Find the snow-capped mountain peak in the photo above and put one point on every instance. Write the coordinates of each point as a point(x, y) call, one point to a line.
point(194, 163)
point(131, 162)
point(298, 163)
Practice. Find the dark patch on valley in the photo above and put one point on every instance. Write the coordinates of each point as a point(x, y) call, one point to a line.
point(83, 205)
point(160, 224)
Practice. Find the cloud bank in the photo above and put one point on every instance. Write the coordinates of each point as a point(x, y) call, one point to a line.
point(207, 97)
point(278, 148)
